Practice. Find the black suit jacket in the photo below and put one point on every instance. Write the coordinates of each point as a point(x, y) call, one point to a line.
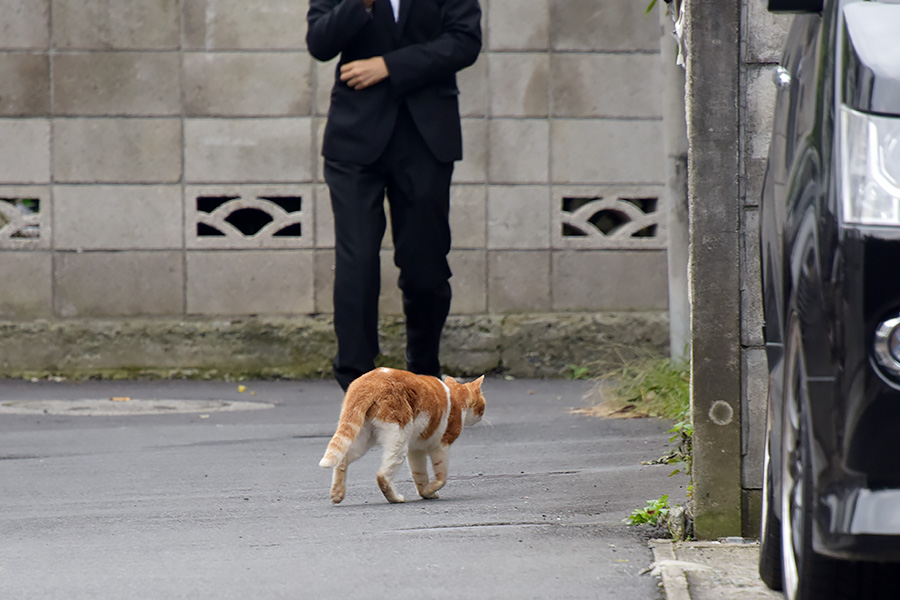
point(432, 40)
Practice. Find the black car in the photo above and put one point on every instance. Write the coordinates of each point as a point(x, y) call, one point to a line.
point(830, 251)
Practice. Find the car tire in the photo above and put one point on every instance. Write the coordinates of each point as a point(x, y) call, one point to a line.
point(824, 578)
point(770, 534)
point(806, 574)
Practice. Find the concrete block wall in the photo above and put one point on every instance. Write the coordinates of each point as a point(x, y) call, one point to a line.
point(763, 35)
point(161, 158)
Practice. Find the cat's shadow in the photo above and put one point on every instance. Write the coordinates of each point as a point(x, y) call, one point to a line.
point(417, 501)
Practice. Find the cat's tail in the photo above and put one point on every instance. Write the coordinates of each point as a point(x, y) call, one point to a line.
point(353, 416)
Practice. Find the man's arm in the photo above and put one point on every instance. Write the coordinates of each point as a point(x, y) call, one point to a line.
point(454, 49)
point(332, 24)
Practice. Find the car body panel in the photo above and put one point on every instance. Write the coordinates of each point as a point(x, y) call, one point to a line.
point(841, 280)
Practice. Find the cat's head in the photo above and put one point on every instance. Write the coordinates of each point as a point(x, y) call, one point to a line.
point(475, 402)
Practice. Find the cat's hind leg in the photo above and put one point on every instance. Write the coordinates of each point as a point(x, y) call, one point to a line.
point(418, 466)
point(394, 442)
point(339, 481)
point(440, 461)
point(357, 449)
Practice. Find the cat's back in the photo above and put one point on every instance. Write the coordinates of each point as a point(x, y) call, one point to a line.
point(401, 397)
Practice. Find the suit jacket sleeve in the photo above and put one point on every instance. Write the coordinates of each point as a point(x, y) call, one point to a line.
point(456, 48)
point(332, 24)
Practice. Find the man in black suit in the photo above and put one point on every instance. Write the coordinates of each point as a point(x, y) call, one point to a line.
point(393, 125)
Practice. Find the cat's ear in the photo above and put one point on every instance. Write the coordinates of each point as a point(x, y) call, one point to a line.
point(448, 379)
point(478, 382)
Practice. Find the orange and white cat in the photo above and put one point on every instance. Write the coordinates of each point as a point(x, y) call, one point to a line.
point(409, 416)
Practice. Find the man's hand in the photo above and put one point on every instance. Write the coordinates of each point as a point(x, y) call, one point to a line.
point(361, 74)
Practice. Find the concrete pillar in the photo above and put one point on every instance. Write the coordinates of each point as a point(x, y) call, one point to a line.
point(713, 56)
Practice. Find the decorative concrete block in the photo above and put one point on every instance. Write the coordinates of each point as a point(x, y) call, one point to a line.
point(518, 217)
point(26, 85)
point(145, 284)
point(273, 282)
point(518, 25)
point(117, 150)
point(609, 280)
point(25, 24)
point(611, 217)
point(25, 222)
point(611, 25)
point(247, 84)
point(324, 294)
point(606, 85)
point(27, 290)
point(248, 150)
point(116, 83)
point(240, 25)
point(521, 85)
point(518, 281)
point(519, 151)
point(120, 217)
point(589, 151)
point(473, 166)
point(765, 32)
point(25, 147)
point(325, 73)
point(474, 91)
point(248, 216)
point(107, 24)
point(469, 281)
point(468, 216)
point(324, 218)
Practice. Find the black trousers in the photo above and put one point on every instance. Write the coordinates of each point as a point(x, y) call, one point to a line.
point(418, 192)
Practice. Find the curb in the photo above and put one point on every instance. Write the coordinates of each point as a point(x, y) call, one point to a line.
point(665, 564)
point(710, 570)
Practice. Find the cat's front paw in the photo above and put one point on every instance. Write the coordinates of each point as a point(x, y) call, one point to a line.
point(337, 495)
point(396, 499)
point(431, 496)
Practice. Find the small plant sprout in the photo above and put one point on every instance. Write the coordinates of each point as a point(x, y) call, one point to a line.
point(655, 513)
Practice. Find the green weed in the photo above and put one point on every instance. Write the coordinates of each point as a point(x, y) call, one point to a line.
point(653, 386)
point(577, 372)
point(655, 513)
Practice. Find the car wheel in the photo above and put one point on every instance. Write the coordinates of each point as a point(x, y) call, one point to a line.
point(806, 575)
point(770, 535)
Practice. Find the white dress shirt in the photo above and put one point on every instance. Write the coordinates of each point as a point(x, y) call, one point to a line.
point(395, 4)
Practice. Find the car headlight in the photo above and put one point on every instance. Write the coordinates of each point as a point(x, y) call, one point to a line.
point(870, 168)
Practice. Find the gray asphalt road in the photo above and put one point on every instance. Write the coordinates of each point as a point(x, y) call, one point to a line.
point(232, 504)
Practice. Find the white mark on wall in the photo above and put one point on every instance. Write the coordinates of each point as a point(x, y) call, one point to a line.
point(721, 413)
